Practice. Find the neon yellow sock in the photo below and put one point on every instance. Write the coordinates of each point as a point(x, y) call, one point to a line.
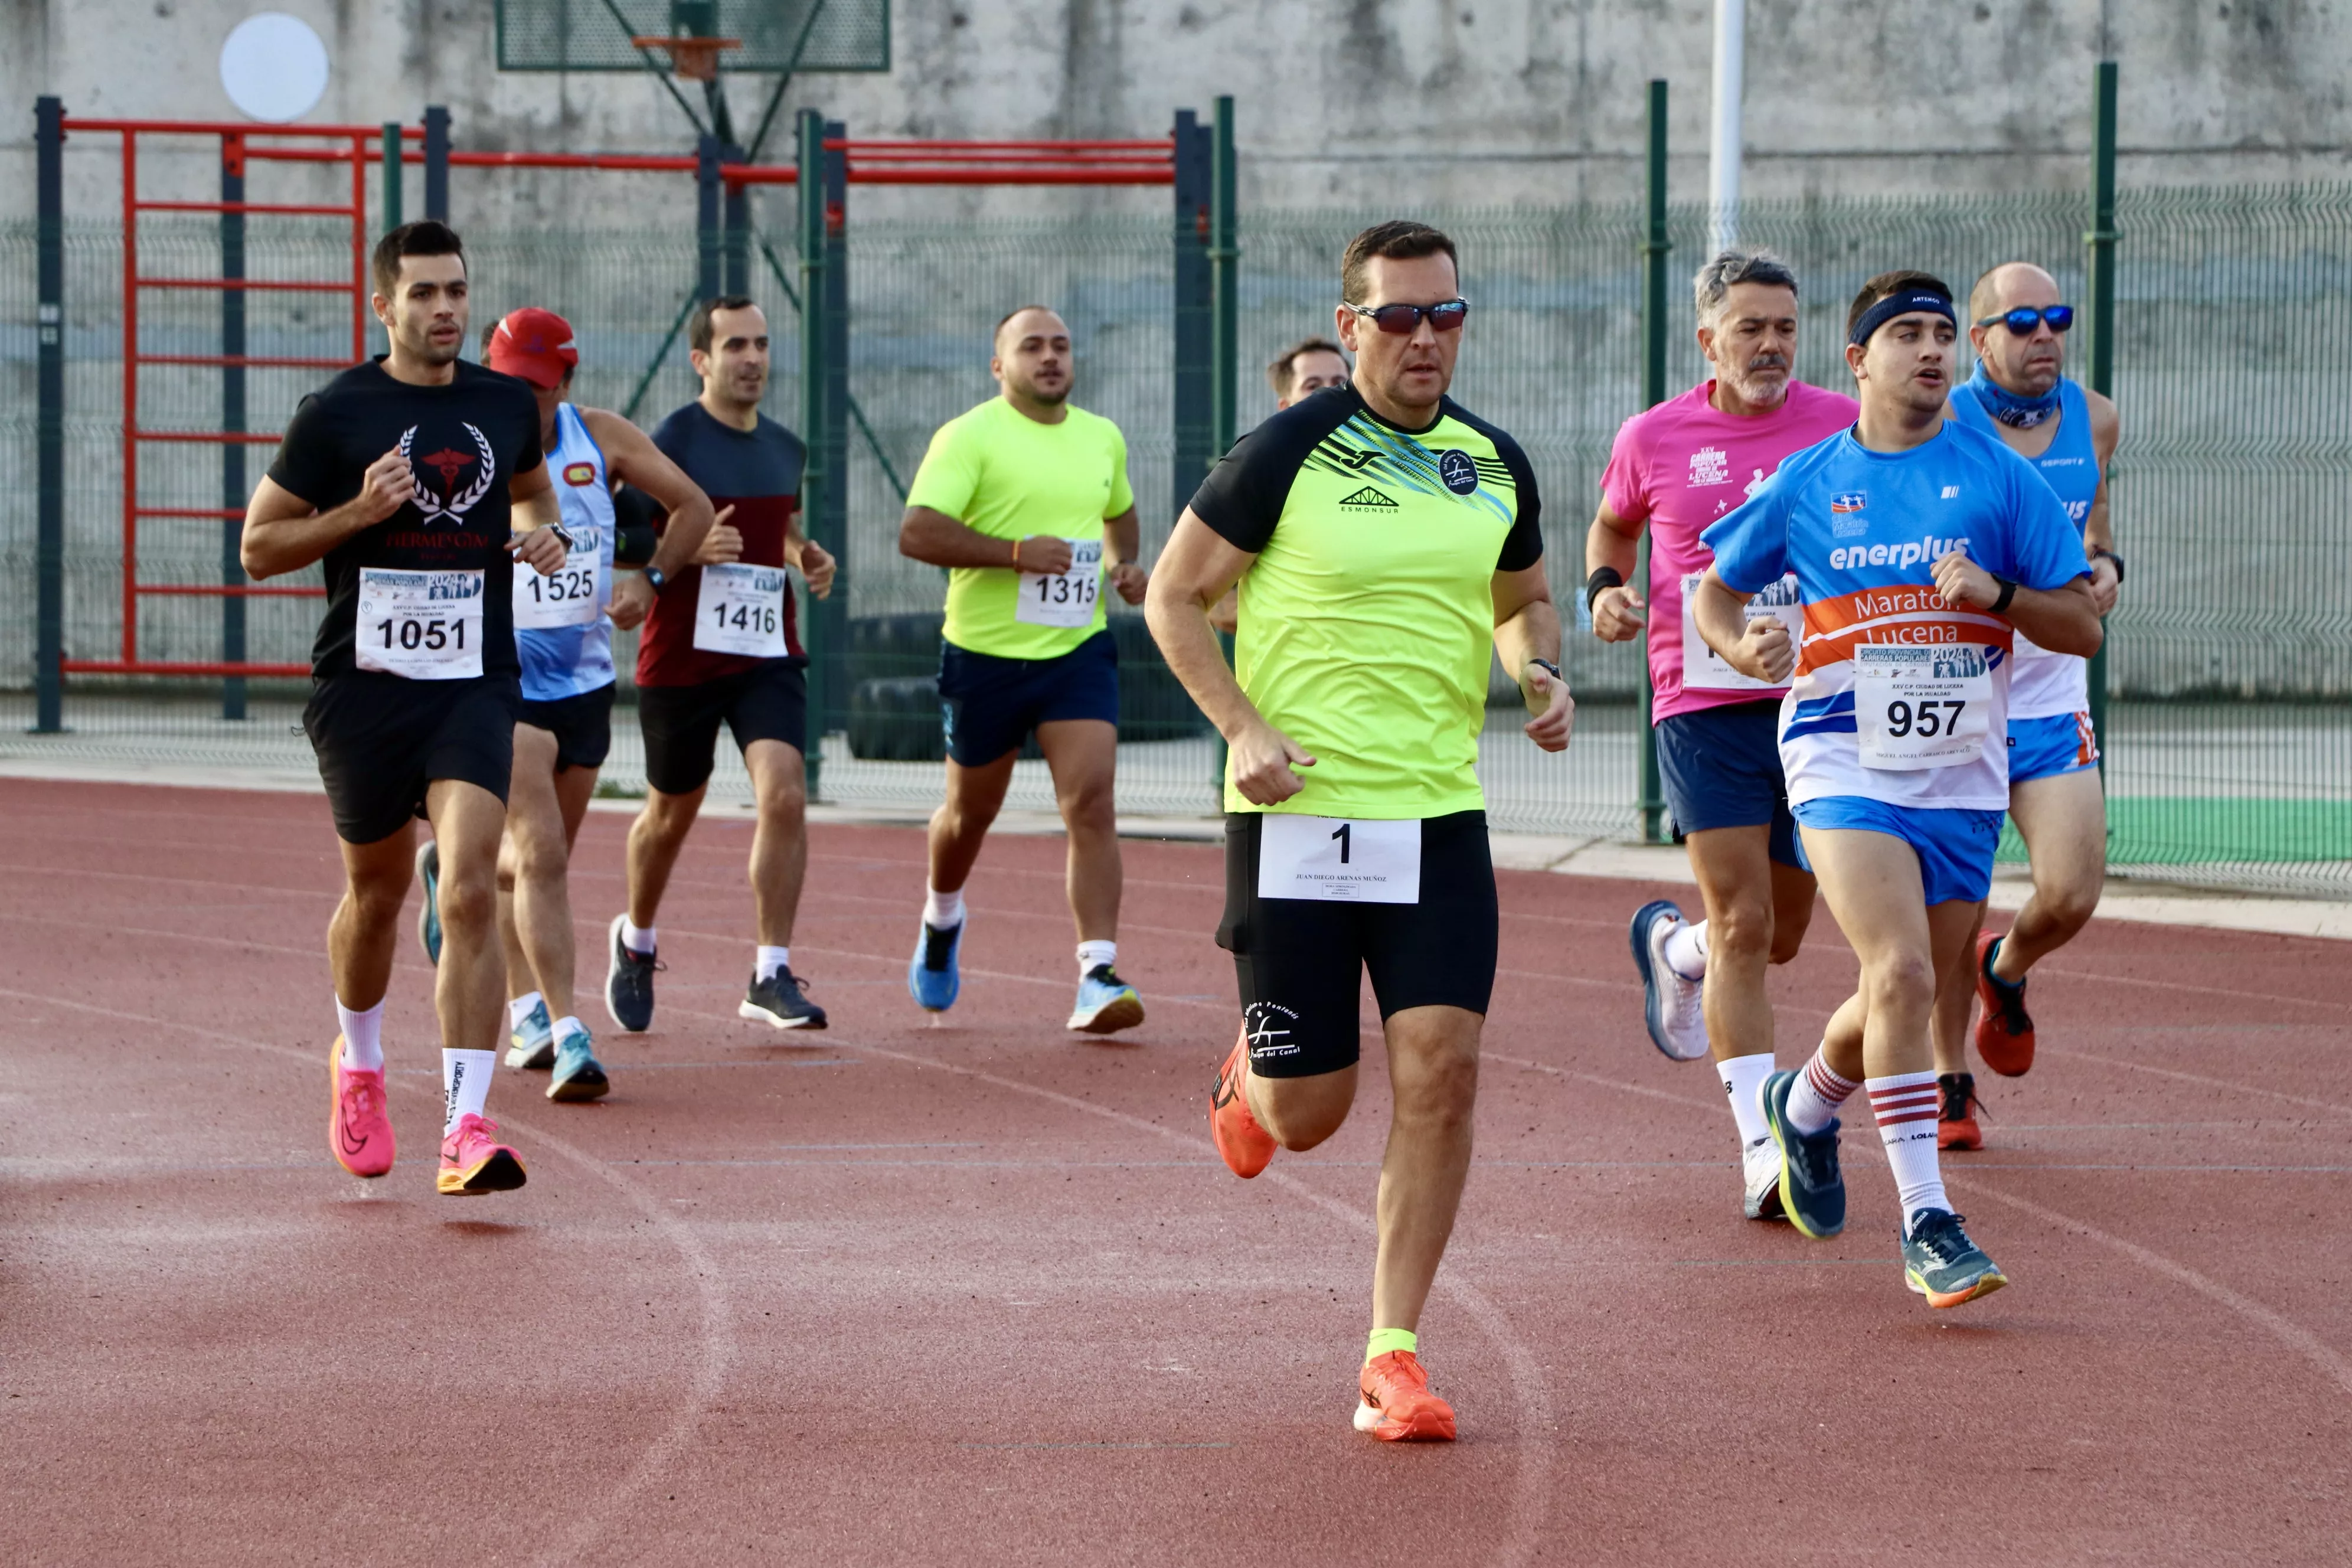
point(1386, 1339)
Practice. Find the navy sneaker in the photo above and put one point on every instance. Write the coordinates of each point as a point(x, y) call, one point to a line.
point(629, 982)
point(777, 1000)
point(1671, 1005)
point(933, 978)
point(578, 1074)
point(1942, 1264)
point(428, 919)
point(1812, 1193)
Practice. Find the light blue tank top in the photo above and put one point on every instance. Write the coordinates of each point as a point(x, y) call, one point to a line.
point(2071, 465)
point(562, 661)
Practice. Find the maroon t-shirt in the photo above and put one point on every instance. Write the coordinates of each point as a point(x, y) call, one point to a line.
point(757, 472)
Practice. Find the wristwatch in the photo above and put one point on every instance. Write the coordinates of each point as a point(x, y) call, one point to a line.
point(2097, 552)
point(1549, 668)
point(658, 577)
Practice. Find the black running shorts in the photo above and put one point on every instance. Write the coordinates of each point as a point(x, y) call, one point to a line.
point(1300, 962)
point(768, 702)
point(581, 723)
point(381, 738)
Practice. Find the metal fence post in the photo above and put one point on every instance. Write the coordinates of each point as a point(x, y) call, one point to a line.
point(49, 549)
point(436, 163)
point(810, 190)
point(394, 149)
point(830, 527)
point(232, 416)
point(708, 217)
point(1655, 247)
point(2102, 240)
point(1224, 331)
point(1192, 326)
point(737, 204)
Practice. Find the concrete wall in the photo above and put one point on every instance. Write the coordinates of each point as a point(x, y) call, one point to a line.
point(1347, 103)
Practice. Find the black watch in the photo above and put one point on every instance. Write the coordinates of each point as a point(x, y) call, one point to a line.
point(655, 575)
point(1549, 667)
point(2118, 560)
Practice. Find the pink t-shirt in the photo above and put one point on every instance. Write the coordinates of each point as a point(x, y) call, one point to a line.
point(1679, 466)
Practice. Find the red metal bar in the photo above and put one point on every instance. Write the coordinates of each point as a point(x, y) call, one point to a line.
point(954, 176)
point(360, 247)
point(896, 154)
point(282, 209)
point(273, 285)
point(1165, 145)
point(136, 667)
point(219, 128)
point(571, 160)
point(220, 513)
point(214, 438)
point(249, 362)
point(225, 591)
point(129, 395)
point(299, 155)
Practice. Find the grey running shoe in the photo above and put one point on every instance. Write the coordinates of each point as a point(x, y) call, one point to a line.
point(1942, 1264)
point(777, 1000)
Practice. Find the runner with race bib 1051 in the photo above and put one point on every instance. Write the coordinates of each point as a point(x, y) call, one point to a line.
point(1025, 500)
point(404, 477)
point(1921, 548)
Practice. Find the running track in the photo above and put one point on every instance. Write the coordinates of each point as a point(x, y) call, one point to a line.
point(983, 1294)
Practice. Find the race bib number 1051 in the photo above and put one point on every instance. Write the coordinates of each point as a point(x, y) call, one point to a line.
point(1921, 707)
point(422, 626)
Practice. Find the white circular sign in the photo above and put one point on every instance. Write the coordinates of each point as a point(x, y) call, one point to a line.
point(273, 67)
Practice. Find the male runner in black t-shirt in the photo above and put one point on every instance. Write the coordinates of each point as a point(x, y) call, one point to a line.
point(407, 476)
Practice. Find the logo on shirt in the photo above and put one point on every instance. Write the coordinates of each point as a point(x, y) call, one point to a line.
point(1951, 492)
point(1458, 472)
point(1756, 483)
point(580, 473)
point(1367, 497)
point(452, 503)
point(1849, 501)
point(1710, 466)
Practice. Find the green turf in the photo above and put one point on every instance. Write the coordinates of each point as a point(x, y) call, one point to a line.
point(2169, 830)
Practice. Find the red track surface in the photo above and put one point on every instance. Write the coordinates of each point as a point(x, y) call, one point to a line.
point(982, 1293)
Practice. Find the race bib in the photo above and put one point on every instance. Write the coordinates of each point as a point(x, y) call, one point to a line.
point(1339, 859)
point(1063, 598)
point(573, 595)
point(1703, 669)
point(741, 611)
point(1921, 707)
point(424, 626)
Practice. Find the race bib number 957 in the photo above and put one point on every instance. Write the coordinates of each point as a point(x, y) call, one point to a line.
point(1920, 707)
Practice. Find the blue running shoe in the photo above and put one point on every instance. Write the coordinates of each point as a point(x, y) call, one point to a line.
point(1106, 1003)
point(1942, 1264)
point(578, 1074)
point(1671, 1005)
point(932, 977)
point(531, 1043)
point(1812, 1193)
point(428, 919)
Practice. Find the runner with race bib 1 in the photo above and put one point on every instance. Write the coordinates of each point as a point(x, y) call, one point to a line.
point(1921, 548)
point(1024, 500)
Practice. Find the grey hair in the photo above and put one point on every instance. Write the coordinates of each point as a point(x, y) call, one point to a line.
point(1738, 263)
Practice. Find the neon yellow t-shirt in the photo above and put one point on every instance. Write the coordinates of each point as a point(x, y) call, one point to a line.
point(1000, 473)
point(1368, 616)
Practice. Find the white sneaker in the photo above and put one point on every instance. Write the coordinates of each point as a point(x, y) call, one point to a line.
point(1761, 1162)
point(1671, 1005)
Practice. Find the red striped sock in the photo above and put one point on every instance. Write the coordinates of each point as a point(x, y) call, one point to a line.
point(1814, 1099)
point(1905, 1106)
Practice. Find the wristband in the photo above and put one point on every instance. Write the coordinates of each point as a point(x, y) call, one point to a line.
point(657, 578)
point(2007, 592)
point(1016, 555)
point(2111, 555)
point(1549, 668)
point(1602, 577)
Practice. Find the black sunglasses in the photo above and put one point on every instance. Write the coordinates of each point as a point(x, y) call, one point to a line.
point(1401, 320)
point(2025, 318)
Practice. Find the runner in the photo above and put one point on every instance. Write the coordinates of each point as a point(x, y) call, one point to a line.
point(1306, 368)
point(1025, 500)
point(720, 647)
point(563, 632)
point(1674, 471)
point(1918, 545)
point(2020, 394)
point(1381, 536)
point(404, 476)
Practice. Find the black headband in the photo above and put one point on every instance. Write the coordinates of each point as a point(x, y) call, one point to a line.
point(1901, 304)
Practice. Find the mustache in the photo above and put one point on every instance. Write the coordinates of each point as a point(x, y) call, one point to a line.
point(1768, 361)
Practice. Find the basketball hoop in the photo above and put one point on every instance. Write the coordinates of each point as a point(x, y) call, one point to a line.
point(691, 58)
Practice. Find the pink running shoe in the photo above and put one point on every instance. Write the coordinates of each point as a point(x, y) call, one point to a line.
point(358, 1131)
point(474, 1162)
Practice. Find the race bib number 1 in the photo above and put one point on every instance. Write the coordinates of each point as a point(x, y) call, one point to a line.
point(741, 611)
point(1703, 669)
point(1920, 707)
point(1063, 598)
point(1339, 859)
point(422, 626)
point(573, 595)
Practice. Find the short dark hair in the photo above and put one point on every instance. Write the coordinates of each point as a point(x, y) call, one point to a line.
point(426, 237)
point(698, 326)
point(1283, 369)
point(998, 331)
point(1399, 240)
point(1886, 285)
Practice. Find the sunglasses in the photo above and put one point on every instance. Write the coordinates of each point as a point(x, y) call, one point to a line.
point(2025, 319)
point(1401, 320)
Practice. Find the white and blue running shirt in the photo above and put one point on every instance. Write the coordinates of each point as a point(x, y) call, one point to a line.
point(1862, 531)
point(561, 632)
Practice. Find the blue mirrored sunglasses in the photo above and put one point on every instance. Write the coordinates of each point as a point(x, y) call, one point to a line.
point(2025, 318)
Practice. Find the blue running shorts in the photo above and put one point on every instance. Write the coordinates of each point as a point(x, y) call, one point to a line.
point(2046, 748)
point(989, 705)
point(1721, 768)
point(1955, 846)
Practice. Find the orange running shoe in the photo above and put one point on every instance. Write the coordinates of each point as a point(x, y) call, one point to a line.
point(1245, 1146)
point(2004, 1034)
point(1956, 1121)
point(1396, 1405)
point(474, 1162)
point(358, 1131)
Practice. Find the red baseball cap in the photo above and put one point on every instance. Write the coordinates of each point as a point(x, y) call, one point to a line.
point(535, 345)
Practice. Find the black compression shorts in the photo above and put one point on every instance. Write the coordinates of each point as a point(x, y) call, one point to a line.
point(382, 741)
point(768, 702)
point(581, 723)
point(1300, 962)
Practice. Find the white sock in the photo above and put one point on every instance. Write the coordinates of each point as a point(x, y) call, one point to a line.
point(638, 939)
point(1814, 1100)
point(770, 960)
point(1742, 1076)
point(1905, 1107)
point(520, 1009)
point(362, 1037)
point(566, 1026)
point(942, 911)
point(466, 1084)
point(1686, 950)
point(1092, 953)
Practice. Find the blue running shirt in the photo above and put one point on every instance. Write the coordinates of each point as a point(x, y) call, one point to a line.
point(562, 631)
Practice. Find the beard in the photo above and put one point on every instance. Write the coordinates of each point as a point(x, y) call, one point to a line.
point(1763, 381)
point(1054, 398)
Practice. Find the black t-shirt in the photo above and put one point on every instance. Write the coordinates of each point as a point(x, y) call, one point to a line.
point(465, 442)
point(756, 471)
